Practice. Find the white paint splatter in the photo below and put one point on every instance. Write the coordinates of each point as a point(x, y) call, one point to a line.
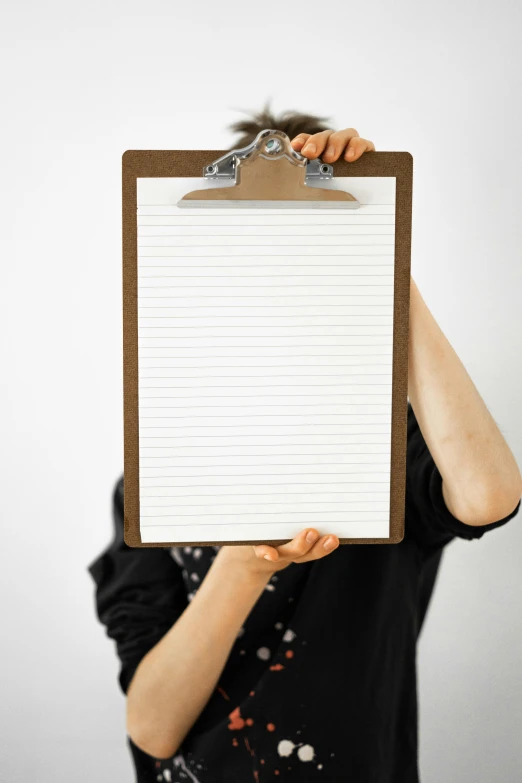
point(187, 550)
point(194, 577)
point(263, 653)
point(242, 652)
point(197, 553)
point(306, 753)
point(285, 748)
point(270, 588)
point(279, 626)
point(241, 632)
point(176, 555)
point(288, 635)
point(179, 763)
point(319, 766)
point(167, 774)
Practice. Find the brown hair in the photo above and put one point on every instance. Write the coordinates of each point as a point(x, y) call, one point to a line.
point(290, 122)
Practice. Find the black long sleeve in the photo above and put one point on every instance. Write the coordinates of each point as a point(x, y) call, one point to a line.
point(140, 594)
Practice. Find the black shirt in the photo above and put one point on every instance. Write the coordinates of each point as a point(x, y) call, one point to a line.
point(320, 684)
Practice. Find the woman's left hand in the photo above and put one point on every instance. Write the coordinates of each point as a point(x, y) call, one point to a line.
point(330, 145)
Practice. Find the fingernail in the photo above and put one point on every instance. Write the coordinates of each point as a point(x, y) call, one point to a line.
point(311, 537)
point(267, 557)
point(310, 148)
point(329, 543)
point(351, 152)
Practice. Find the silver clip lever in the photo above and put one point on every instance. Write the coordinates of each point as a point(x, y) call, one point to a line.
point(225, 167)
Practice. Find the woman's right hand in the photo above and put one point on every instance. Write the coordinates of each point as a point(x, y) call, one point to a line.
point(264, 559)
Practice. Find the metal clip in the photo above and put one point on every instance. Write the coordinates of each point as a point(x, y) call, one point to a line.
point(316, 169)
point(224, 168)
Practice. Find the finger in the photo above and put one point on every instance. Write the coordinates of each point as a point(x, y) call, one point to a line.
point(323, 547)
point(299, 141)
point(316, 144)
point(265, 552)
point(299, 545)
point(337, 142)
point(357, 147)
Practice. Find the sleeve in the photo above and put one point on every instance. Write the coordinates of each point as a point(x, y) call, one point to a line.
point(139, 595)
point(427, 518)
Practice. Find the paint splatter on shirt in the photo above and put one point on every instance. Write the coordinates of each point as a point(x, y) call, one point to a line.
point(320, 684)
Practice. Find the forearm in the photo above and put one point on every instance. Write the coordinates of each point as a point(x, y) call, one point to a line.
point(176, 678)
point(481, 479)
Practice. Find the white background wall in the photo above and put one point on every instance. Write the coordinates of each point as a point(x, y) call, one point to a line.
point(81, 83)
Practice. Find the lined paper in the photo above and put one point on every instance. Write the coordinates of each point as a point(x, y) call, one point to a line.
point(265, 341)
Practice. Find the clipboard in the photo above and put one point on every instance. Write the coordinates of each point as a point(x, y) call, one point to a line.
point(270, 174)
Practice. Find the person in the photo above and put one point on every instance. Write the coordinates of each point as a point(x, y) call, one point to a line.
point(298, 662)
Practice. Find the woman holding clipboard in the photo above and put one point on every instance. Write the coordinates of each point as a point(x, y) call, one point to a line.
point(197, 628)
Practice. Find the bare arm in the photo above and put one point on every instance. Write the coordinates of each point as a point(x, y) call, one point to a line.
point(481, 479)
point(175, 680)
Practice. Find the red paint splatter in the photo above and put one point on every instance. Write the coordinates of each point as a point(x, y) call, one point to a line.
point(270, 727)
point(256, 776)
point(289, 653)
point(249, 722)
point(262, 761)
point(252, 693)
point(158, 764)
point(236, 721)
point(276, 772)
point(235, 742)
point(276, 667)
point(225, 695)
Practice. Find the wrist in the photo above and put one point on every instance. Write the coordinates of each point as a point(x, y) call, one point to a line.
point(244, 565)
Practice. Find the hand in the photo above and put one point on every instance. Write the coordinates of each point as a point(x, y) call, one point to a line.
point(265, 559)
point(332, 144)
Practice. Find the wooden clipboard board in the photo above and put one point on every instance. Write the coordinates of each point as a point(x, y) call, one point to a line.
point(191, 163)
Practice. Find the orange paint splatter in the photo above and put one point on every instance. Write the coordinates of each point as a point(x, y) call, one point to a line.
point(222, 692)
point(276, 772)
point(262, 761)
point(256, 776)
point(289, 653)
point(247, 746)
point(235, 742)
point(270, 727)
point(276, 667)
point(236, 721)
point(252, 693)
point(249, 722)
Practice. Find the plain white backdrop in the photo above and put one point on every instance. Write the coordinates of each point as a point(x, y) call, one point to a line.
point(80, 84)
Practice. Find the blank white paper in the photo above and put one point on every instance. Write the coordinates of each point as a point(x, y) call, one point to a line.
point(265, 366)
